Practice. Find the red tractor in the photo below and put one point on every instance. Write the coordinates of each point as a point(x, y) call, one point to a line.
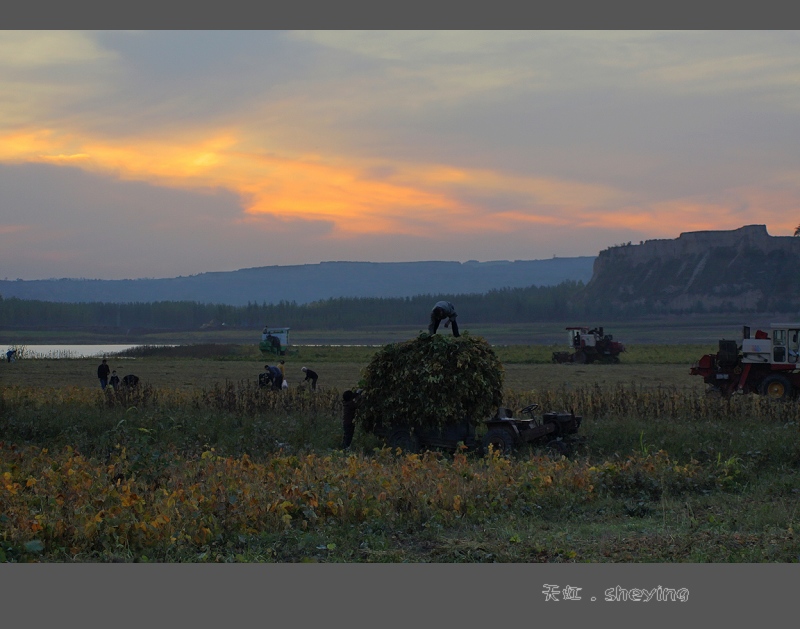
point(765, 364)
point(589, 346)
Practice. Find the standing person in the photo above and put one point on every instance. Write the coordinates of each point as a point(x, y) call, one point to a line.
point(443, 310)
point(310, 375)
point(114, 380)
point(350, 403)
point(264, 333)
point(282, 367)
point(102, 374)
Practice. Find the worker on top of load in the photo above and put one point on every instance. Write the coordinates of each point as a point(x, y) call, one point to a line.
point(443, 310)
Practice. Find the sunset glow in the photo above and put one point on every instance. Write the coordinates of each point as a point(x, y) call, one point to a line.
point(407, 146)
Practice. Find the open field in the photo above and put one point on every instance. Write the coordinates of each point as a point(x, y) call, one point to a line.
point(188, 373)
point(528, 367)
point(199, 465)
point(663, 330)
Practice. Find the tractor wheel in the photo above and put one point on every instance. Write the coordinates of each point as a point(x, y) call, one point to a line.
point(558, 448)
point(557, 432)
point(404, 439)
point(500, 439)
point(580, 358)
point(776, 387)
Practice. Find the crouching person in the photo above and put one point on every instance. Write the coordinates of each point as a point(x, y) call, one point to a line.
point(130, 381)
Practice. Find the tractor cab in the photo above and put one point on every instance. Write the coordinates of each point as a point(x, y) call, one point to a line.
point(580, 337)
point(785, 343)
point(779, 346)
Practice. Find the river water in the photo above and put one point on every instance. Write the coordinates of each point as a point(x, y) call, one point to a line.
point(68, 351)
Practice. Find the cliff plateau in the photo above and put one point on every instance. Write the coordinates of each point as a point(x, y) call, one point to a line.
point(741, 270)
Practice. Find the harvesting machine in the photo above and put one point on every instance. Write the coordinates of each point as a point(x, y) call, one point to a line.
point(765, 364)
point(588, 346)
point(274, 341)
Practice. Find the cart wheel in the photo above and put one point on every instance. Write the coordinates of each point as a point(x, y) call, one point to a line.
point(558, 447)
point(580, 358)
point(500, 439)
point(404, 439)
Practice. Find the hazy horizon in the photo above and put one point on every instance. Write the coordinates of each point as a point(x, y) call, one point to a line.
point(322, 262)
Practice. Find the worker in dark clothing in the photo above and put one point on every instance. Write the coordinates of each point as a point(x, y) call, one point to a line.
point(102, 374)
point(114, 381)
point(276, 377)
point(350, 403)
point(130, 381)
point(441, 311)
point(265, 379)
point(310, 375)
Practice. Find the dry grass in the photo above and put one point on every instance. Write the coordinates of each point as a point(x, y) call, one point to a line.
point(187, 373)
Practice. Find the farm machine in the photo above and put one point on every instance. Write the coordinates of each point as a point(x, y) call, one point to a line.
point(504, 433)
point(274, 341)
point(765, 364)
point(589, 346)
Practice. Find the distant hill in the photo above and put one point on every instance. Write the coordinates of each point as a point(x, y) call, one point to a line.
point(741, 270)
point(312, 282)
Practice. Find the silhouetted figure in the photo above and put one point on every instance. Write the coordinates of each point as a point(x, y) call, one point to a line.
point(443, 311)
point(130, 381)
point(350, 404)
point(102, 373)
point(310, 375)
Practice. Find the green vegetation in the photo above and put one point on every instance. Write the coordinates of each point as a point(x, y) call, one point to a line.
point(432, 381)
point(568, 303)
point(518, 305)
point(219, 470)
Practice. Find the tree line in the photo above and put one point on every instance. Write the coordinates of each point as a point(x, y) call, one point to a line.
point(506, 305)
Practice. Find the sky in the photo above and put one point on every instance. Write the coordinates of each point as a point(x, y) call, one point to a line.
point(132, 154)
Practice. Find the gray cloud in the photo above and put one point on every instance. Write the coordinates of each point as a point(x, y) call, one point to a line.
point(62, 222)
point(658, 117)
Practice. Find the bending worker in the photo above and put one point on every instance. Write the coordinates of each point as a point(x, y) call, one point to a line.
point(441, 311)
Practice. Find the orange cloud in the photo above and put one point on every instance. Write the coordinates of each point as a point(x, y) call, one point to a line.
point(422, 200)
point(285, 186)
point(22, 146)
